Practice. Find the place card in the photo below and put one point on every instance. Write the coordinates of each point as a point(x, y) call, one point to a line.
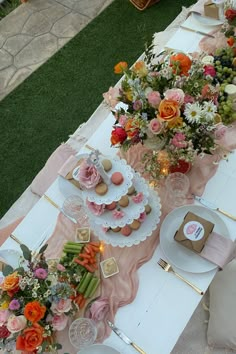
point(109, 267)
point(82, 235)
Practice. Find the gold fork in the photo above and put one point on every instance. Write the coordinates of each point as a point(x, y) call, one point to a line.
point(168, 268)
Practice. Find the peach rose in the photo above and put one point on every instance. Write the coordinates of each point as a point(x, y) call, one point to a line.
point(11, 283)
point(154, 99)
point(140, 68)
point(34, 311)
point(111, 97)
point(31, 338)
point(16, 323)
point(168, 110)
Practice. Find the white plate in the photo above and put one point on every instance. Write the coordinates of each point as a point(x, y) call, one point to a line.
point(11, 257)
point(178, 255)
point(207, 21)
point(98, 349)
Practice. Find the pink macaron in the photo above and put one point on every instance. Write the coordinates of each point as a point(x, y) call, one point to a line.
point(117, 178)
point(126, 230)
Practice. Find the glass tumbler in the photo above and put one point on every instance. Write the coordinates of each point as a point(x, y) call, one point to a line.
point(82, 333)
point(177, 186)
point(74, 207)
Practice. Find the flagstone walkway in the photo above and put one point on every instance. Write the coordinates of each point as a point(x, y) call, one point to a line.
point(35, 31)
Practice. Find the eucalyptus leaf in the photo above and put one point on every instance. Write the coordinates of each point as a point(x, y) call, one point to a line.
point(7, 270)
point(26, 252)
point(43, 248)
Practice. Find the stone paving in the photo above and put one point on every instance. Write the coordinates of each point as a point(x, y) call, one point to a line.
point(35, 31)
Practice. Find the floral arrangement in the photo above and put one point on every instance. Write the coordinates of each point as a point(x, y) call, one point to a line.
point(178, 108)
point(230, 22)
point(35, 302)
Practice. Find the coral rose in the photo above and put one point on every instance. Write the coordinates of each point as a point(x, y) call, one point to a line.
point(34, 311)
point(11, 283)
point(181, 63)
point(230, 41)
point(168, 110)
point(31, 338)
point(118, 136)
point(120, 67)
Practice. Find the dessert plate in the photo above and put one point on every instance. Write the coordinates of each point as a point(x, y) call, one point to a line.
point(178, 255)
point(146, 229)
point(206, 21)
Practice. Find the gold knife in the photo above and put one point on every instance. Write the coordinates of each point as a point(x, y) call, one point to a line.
point(196, 31)
point(13, 237)
point(60, 209)
point(126, 339)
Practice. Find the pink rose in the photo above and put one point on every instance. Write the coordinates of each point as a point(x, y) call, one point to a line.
point(122, 120)
point(96, 209)
point(61, 306)
point(179, 141)
point(16, 323)
point(88, 175)
point(99, 309)
point(138, 198)
point(60, 267)
point(209, 70)
point(189, 99)
point(59, 322)
point(175, 94)
point(111, 96)
point(4, 314)
point(155, 126)
point(118, 214)
point(154, 99)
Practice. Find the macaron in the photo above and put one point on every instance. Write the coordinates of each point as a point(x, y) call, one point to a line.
point(101, 188)
point(135, 225)
point(111, 206)
point(126, 230)
point(107, 165)
point(148, 209)
point(124, 201)
point(117, 178)
point(116, 229)
point(131, 190)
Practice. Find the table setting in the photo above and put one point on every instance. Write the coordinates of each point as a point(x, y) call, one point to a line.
point(170, 135)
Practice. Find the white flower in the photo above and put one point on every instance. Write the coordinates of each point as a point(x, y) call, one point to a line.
point(193, 112)
point(209, 111)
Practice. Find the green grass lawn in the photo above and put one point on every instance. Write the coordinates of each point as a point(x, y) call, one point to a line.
point(40, 114)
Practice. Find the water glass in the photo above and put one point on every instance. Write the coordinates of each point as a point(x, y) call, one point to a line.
point(177, 186)
point(74, 207)
point(82, 333)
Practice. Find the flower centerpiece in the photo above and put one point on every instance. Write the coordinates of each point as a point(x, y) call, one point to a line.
point(177, 107)
point(35, 303)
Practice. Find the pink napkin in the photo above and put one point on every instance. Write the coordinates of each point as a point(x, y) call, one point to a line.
point(219, 250)
point(68, 166)
point(6, 231)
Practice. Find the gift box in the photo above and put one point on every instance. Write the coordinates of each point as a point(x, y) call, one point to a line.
point(211, 10)
point(194, 232)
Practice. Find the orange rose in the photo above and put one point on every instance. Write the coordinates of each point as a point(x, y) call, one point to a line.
point(140, 68)
point(131, 128)
point(11, 283)
point(181, 63)
point(34, 311)
point(230, 41)
point(31, 338)
point(168, 110)
point(120, 67)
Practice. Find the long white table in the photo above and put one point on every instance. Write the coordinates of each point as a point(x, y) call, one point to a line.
point(164, 304)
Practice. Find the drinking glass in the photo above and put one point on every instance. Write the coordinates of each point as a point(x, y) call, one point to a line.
point(177, 186)
point(74, 207)
point(82, 333)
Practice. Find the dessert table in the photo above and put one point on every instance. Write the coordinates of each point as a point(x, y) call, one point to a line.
point(164, 304)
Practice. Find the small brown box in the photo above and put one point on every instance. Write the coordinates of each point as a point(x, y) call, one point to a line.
point(193, 232)
point(211, 10)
